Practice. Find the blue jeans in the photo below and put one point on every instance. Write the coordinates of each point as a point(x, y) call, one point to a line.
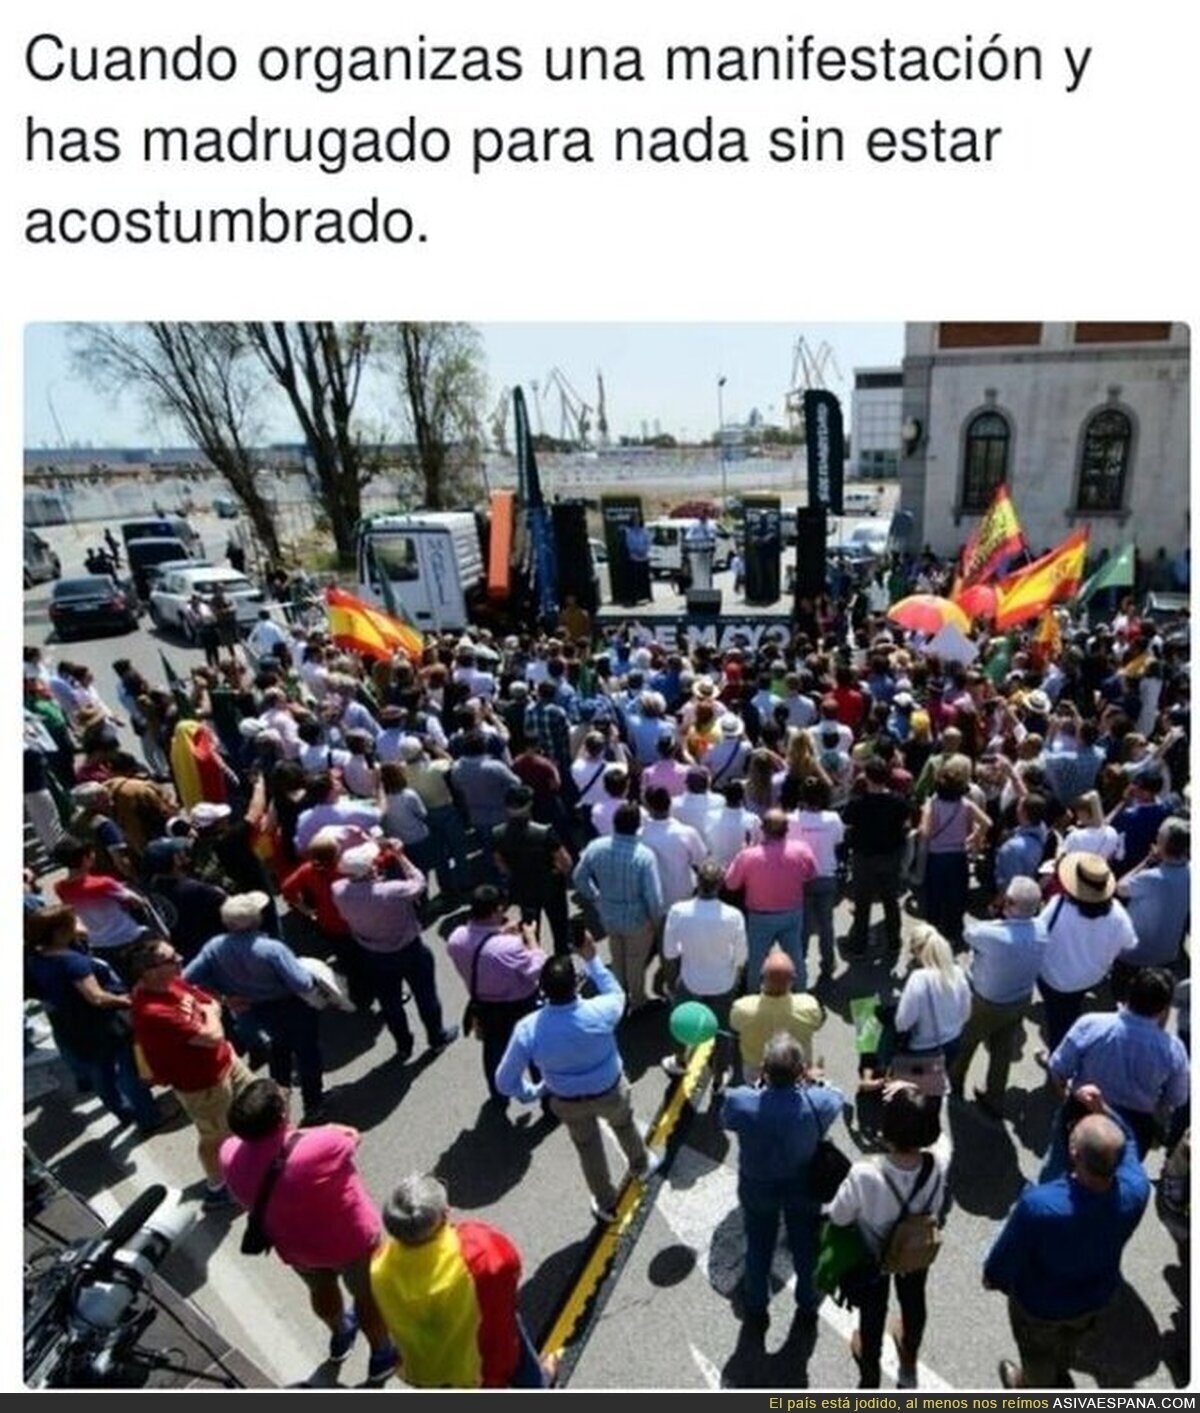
point(290, 1026)
point(762, 929)
point(121, 1090)
point(387, 973)
point(820, 895)
point(528, 1373)
point(763, 1203)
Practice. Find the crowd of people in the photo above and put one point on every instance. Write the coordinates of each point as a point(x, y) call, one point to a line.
point(614, 827)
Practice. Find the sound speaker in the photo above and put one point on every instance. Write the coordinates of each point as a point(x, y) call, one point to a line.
point(810, 551)
point(703, 603)
point(573, 556)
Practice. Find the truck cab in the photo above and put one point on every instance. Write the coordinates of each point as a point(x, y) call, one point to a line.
point(668, 545)
point(41, 563)
point(432, 563)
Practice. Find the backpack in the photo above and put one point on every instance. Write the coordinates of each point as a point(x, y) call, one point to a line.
point(915, 1240)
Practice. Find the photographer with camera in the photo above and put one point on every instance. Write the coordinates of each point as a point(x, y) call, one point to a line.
point(378, 896)
point(308, 1202)
point(499, 962)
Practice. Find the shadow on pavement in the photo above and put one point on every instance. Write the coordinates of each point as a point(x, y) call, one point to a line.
point(367, 1101)
point(542, 1295)
point(486, 1161)
point(985, 1174)
point(752, 1366)
point(1177, 1341)
point(1126, 1344)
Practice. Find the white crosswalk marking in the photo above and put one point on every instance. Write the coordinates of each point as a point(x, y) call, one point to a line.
point(695, 1202)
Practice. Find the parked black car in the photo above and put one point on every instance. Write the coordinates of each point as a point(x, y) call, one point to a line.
point(92, 602)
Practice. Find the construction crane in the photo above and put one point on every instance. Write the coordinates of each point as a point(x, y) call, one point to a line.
point(808, 374)
point(498, 421)
point(575, 414)
point(601, 413)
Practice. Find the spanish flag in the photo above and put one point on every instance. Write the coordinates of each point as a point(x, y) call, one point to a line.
point(450, 1304)
point(1046, 643)
point(1030, 592)
point(997, 536)
point(357, 626)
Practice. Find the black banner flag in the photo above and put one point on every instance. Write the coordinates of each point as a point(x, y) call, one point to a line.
point(826, 449)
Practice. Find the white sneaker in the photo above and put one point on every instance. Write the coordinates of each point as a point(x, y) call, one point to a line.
point(606, 1215)
point(673, 1066)
point(654, 1161)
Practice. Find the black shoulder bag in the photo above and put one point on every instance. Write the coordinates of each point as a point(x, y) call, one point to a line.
point(255, 1241)
point(828, 1165)
point(471, 1018)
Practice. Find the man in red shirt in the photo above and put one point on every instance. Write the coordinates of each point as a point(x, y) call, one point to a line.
point(773, 874)
point(851, 702)
point(314, 925)
point(178, 1029)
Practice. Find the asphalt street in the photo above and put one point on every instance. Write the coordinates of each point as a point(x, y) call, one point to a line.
point(666, 1321)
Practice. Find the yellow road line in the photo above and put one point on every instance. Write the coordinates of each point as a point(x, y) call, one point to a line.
point(597, 1264)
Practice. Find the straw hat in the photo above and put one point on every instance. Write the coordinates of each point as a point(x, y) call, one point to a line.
point(1087, 878)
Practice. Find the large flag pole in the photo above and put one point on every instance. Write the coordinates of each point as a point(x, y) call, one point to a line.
point(537, 513)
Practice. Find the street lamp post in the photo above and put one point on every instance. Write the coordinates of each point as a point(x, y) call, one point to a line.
point(721, 443)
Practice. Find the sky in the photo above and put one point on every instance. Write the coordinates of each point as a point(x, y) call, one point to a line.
point(657, 377)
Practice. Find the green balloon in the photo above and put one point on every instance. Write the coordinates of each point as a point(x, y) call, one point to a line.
point(692, 1023)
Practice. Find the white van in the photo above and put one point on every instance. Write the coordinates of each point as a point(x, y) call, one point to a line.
point(861, 500)
point(668, 546)
point(432, 561)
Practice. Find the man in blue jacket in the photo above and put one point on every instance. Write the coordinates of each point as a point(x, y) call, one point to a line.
point(779, 1124)
point(1058, 1256)
point(258, 976)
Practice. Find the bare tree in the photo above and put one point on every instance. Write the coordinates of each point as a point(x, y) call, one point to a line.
point(320, 368)
point(197, 375)
point(439, 368)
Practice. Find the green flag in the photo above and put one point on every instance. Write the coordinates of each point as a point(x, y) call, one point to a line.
point(868, 1028)
point(1115, 573)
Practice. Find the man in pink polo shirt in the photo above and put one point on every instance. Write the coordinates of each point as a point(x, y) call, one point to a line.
point(319, 1216)
point(772, 875)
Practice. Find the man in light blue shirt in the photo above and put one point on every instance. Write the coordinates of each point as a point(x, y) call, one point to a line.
point(1157, 898)
point(1128, 1055)
point(618, 875)
point(1020, 856)
point(572, 1042)
point(260, 978)
point(1006, 957)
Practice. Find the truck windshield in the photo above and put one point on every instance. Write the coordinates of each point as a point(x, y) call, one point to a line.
point(395, 556)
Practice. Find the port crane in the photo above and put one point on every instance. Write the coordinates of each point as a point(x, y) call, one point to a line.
point(601, 412)
point(498, 421)
point(575, 415)
point(809, 367)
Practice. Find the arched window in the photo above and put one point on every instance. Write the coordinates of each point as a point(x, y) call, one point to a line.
point(1107, 438)
point(985, 460)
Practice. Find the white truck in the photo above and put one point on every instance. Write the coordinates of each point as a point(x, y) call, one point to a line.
point(432, 562)
point(668, 545)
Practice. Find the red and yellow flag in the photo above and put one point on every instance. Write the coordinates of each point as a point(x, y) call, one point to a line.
point(1046, 643)
point(357, 626)
point(997, 536)
point(450, 1304)
point(1030, 592)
